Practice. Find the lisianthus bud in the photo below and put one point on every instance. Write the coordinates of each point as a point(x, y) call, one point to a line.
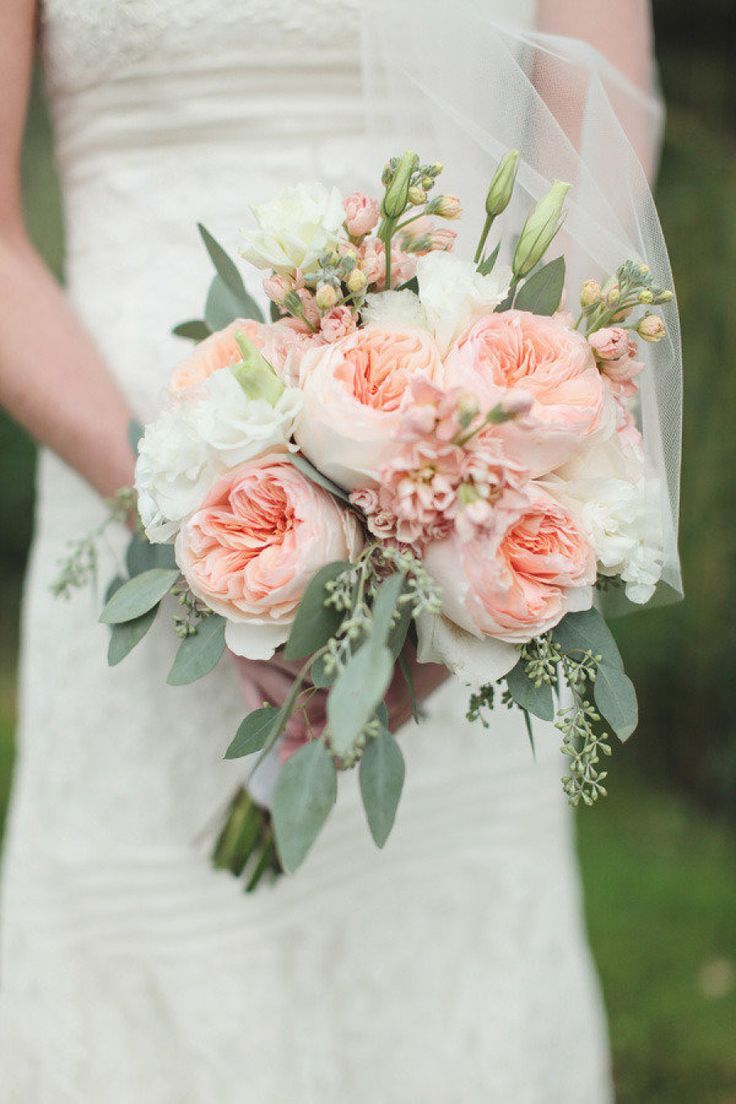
point(357, 281)
point(254, 374)
point(326, 297)
point(540, 229)
point(445, 206)
point(417, 195)
point(590, 294)
point(502, 185)
point(651, 328)
point(397, 192)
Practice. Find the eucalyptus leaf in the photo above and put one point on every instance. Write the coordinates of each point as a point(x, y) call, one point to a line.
point(253, 732)
point(135, 432)
point(384, 607)
point(580, 632)
point(305, 792)
point(139, 595)
point(486, 266)
point(542, 292)
point(141, 556)
point(125, 636)
point(275, 312)
point(405, 668)
point(615, 698)
point(355, 696)
point(400, 630)
point(196, 329)
point(114, 584)
point(381, 781)
point(225, 266)
point(411, 284)
point(537, 700)
point(319, 676)
point(315, 622)
point(316, 476)
point(222, 306)
point(199, 653)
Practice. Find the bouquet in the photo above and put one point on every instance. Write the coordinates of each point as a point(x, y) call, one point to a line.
point(418, 459)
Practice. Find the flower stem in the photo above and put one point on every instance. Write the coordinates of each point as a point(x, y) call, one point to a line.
point(483, 238)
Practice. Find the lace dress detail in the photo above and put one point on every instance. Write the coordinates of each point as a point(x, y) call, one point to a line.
point(452, 967)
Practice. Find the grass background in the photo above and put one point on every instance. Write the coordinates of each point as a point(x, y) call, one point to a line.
point(659, 855)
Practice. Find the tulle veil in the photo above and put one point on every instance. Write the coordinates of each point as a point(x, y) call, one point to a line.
point(454, 83)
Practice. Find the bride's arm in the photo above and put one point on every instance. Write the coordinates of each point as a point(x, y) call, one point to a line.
point(52, 378)
point(623, 33)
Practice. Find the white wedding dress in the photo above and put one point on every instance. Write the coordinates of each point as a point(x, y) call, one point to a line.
point(450, 969)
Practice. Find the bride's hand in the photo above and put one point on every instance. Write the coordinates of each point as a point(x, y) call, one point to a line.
point(269, 682)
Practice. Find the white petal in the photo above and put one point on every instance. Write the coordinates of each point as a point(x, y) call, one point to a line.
point(255, 641)
point(473, 661)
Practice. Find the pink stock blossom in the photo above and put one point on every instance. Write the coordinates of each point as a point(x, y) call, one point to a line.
point(362, 214)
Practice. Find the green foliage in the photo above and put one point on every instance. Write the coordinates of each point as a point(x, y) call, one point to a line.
point(199, 652)
point(253, 732)
point(542, 292)
point(381, 781)
point(196, 329)
point(125, 636)
point(227, 298)
point(139, 595)
point(315, 622)
point(305, 792)
point(538, 700)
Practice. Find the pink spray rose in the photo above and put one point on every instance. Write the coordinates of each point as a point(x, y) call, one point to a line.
point(362, 214)
point(339, 322)
point(517, 351)
point(354, 393)
point(615, 350)
point(251, 549)
point(538, 567)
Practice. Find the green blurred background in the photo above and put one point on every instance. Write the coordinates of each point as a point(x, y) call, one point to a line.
point(659, 855)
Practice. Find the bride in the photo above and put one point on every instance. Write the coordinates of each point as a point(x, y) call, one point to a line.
point(451, 968)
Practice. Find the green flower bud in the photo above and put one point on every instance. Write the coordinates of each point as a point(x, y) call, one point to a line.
point(502, 185)
point(540, 229)
point(664, 296)
point(651, 328)
point(646, 295)
point(255, 375)
point(417, 195)
point(397, 192)
point(590, 294)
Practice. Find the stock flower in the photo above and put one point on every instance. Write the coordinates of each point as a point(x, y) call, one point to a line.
point(362, 214)
point(615, 350)
point(521, 582)
point(423, 236)
point(453, 294)
point(372, 261)
point(194, 441)
point(340, 322)
point(254, 545)
point(353, 394)
point(517, 351)
point(295, 229)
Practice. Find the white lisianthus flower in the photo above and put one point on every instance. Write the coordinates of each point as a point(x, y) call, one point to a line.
point(295, 229)
point(394, 310)
point(199, 439)
point(453, 294)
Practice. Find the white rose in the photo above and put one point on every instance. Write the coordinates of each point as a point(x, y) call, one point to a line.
point(195, 441)
point(453, 294)
point(295, 229)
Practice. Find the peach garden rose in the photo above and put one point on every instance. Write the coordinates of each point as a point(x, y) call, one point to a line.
point(280, 343)
point(354, 394)
point(522, 582)
point(252, 548)
point(516, 351)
